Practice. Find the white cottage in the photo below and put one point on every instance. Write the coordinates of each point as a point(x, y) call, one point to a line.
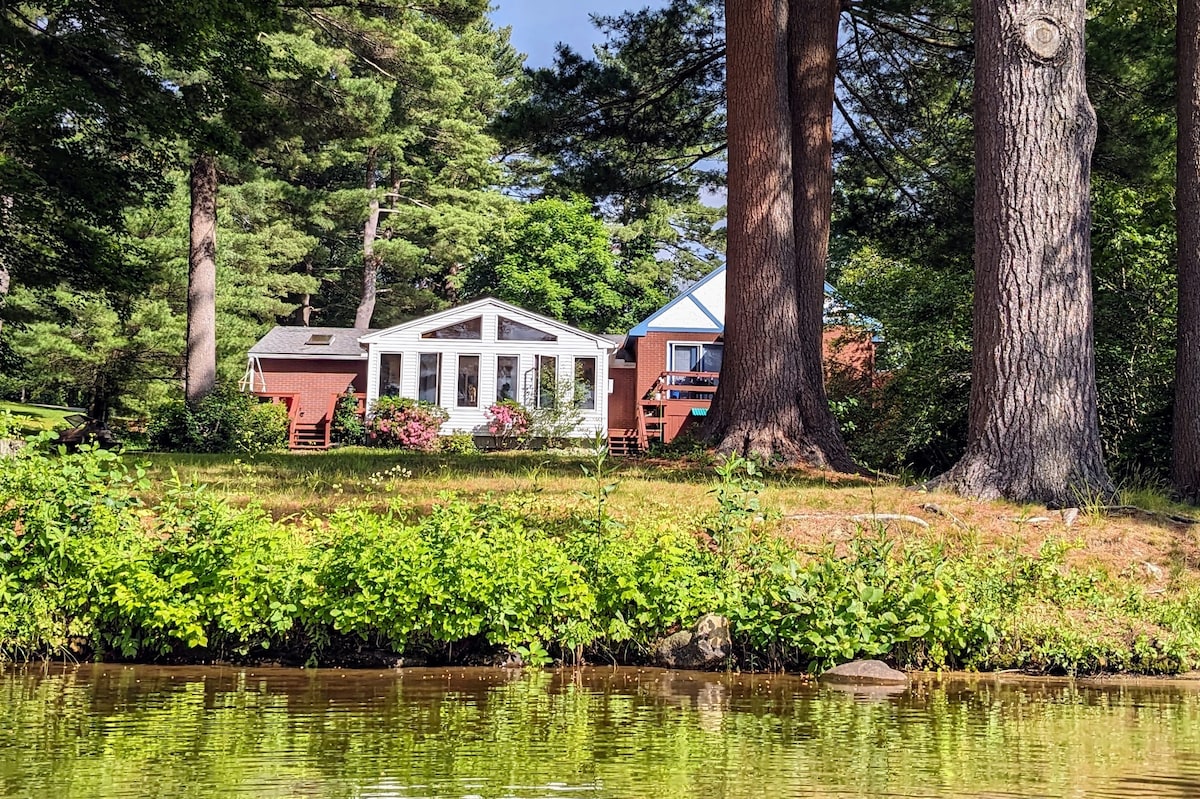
point(469, 357)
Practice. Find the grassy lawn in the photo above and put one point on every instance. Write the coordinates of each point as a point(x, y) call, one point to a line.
point(33, 419)
point(815, 510)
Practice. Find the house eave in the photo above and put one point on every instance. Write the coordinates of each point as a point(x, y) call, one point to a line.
point(305, 356)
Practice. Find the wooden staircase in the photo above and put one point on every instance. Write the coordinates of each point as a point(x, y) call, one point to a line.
point(309, 436)
point(622, 442)
point(318, 435)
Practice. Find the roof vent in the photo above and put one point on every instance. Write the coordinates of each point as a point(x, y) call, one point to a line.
point(320, 339)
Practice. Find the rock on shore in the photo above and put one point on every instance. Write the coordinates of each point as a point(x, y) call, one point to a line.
point(865, 672)
point(705, 646)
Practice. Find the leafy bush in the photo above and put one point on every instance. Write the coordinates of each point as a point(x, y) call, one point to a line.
point(265, 427)
point(8, 425)
point(86, 567)
point(65, 526)
point(867, 604)
point(458, 443)
point(562, 409)
point(508, 422)
point(227, 420)
point(405, 423)
point(348, 426)
point(460, 573)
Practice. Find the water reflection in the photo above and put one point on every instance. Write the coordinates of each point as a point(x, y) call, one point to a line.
point(146, 732)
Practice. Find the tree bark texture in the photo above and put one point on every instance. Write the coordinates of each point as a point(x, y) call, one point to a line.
point(5, 285)
point(303, 313)
point(813, 35)
point(371, 261)
point(6, 203)
point(1185, 441)
point(200, 370)
point(755, 410)
point(1034, 430)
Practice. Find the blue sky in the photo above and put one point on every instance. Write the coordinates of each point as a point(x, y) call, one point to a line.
point(538, 25)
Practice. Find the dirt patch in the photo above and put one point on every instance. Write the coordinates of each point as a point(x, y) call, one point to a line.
point(1145, 546)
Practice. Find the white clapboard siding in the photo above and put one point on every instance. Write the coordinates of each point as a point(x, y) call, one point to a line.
point(572, 343)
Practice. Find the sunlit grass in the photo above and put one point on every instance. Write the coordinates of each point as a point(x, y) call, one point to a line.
point(33, 419)
point(813, 509)
point(287, 483)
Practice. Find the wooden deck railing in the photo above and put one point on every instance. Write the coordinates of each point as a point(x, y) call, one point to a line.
point(672, 390)
point(331, 411)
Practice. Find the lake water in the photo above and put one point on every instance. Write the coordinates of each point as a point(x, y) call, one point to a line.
point(114, 731)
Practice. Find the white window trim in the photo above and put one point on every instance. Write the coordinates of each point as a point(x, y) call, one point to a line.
point(701, 344)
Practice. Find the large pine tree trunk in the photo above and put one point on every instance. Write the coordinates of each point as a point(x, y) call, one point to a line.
point(200, 371)
point(370, 280)
point(813, 35)
point(1185, 460)
point(755, 410)
point(769, 401)
point(1034, 432)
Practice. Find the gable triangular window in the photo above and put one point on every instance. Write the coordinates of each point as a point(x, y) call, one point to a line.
point(512, 330)
point(468, 329)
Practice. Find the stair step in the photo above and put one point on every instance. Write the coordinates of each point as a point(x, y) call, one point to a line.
point(308, 436)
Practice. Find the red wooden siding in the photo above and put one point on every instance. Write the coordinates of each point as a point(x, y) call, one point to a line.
point(850, 352)
point(314, 381)
point(622, 402)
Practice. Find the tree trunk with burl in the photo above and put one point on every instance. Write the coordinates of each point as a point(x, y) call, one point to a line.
point(1033, 431)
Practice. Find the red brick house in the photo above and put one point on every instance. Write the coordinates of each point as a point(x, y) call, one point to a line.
point(307, 369)
point(666, 369)
point(658, 379)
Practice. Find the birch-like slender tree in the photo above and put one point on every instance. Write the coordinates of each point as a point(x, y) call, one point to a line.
point(200, 362)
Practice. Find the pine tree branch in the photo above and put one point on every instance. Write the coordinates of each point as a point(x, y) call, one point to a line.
point(866, 145)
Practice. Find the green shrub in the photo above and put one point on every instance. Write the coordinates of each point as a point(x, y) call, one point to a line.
point(265, 427)
point(460, 573)
point(227, 420)
point(8, 425)
point(84, 565)
point(348, 427)
point(458, 443)
point(646, 582)
point(870, 603)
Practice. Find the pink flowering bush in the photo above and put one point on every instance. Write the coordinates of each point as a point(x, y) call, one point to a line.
point(507, 421)
point(405, 423)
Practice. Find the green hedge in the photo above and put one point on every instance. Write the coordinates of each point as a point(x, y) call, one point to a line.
point(86, 568)
point(227, 420)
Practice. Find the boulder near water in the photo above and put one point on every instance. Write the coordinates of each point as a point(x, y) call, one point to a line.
point(865, 672)
point(705, 646)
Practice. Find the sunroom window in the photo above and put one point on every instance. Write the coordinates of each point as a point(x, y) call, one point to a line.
point(468, 381)
point(585, 383)
point(389, 375)
point(470, 329)
point(512, 330)
point(430, 376)
point(506, 377)
point(547, 381)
